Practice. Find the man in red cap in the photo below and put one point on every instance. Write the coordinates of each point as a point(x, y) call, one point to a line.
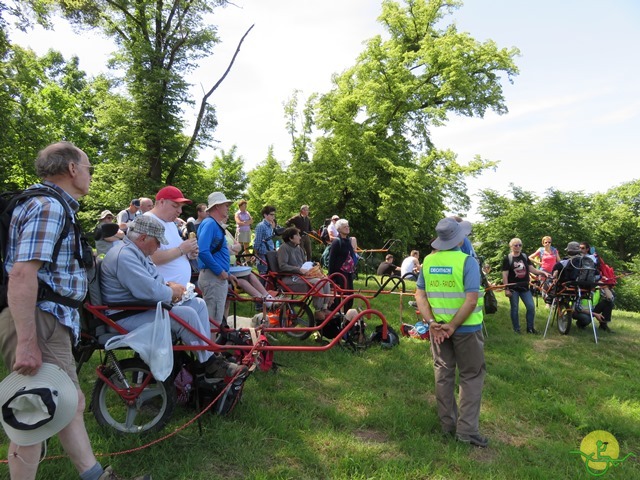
point(172, 259)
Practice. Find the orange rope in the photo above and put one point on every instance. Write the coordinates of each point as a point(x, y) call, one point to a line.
point(154, 442)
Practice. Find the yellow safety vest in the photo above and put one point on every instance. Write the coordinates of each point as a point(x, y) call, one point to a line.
point(443, 274)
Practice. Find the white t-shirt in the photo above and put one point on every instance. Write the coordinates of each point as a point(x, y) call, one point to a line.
point(407, 265)
point(178, 270)
point(333, 231)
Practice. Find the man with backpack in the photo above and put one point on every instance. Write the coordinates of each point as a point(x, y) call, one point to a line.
point(46, 285)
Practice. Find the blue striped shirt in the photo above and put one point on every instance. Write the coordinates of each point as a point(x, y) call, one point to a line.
point(35, 227)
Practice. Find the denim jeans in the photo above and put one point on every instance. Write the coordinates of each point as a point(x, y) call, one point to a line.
point(527, 299)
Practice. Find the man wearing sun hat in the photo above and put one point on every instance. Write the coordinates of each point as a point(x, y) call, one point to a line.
point(213, 257)
point(447, 293)
point(172, 259)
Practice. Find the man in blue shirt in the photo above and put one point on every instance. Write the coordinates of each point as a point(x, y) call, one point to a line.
point(213, 256)
point(263, 241)
point(447, 292)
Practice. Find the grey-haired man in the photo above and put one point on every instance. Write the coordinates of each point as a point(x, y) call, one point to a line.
point(129, 276)
point(35, 330)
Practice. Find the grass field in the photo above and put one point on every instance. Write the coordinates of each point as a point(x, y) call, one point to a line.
point(372, 415)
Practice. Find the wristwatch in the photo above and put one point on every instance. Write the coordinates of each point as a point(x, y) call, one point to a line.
point(430, 321)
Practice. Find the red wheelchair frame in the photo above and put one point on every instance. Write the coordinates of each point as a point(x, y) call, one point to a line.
point(128, 398)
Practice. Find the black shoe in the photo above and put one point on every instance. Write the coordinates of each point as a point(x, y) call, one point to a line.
point(604, 327)
point(475, 440)
point(217, 369)
point(448, 433)
point(533, 331)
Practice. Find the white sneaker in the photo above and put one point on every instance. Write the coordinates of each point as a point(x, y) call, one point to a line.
point(268, 301)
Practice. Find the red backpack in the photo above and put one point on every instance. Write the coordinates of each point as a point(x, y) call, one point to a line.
point(607, 275)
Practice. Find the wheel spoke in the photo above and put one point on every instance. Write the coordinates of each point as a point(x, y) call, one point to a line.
point(132, 414)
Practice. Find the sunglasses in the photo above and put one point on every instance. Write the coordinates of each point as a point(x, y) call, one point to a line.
point(516, 245)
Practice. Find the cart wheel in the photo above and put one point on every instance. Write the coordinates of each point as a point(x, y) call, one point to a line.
point(564, 321)
point(150, 411)
point(296, 314)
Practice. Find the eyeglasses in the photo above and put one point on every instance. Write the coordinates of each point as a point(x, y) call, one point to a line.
point(516, 245)
point(583, 248)
point(91, 168)
point(546, 243)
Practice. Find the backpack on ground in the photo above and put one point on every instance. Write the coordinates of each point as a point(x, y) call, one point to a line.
point(8, 202)
point(354, 338)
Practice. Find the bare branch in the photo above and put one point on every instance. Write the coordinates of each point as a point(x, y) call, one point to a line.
point(203, 106)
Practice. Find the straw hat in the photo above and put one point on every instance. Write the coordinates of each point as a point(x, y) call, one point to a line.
point(36, 407)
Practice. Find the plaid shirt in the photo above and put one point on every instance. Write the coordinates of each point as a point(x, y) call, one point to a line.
point(264, 231)
point(35, 227)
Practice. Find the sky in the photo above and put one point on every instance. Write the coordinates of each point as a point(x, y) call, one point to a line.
point(574, 109)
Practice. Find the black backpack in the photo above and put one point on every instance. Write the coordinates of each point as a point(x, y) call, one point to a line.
point(580, 269)
point(324, 235)
point(83, 252)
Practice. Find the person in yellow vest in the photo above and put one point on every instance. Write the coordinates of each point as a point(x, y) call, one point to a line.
point(447, 294)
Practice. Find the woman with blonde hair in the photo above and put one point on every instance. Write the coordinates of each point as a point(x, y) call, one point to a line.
point(546, 256)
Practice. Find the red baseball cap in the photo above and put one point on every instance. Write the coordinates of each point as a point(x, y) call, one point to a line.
point(172, 193)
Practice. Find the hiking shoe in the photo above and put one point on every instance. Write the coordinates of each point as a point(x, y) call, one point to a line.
point(533, 331)
point(108, 474)
point(605, 327)
point(217, 369)
point(475, 440)
point(413, 304)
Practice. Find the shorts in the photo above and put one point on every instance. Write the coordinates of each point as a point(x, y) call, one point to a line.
point(54, 340)
point(243, 236)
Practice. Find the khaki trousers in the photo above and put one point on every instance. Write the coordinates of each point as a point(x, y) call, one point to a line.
point(464, 351)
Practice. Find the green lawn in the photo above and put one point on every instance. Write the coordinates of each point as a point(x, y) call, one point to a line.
point(338, 415)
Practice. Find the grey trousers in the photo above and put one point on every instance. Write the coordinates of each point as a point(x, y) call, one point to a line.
point(214, 291)
point(464, 351)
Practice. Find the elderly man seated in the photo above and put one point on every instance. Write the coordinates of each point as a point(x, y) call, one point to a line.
point(128, 276)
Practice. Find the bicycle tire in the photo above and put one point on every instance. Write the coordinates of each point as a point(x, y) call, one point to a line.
point(152, 409)
point(564, 321)
point(296, 314)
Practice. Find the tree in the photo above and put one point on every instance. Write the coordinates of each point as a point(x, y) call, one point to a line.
point(374, 162)
point(227, 174)
point(261, 185)
point(42, 100)
point(158, 44)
